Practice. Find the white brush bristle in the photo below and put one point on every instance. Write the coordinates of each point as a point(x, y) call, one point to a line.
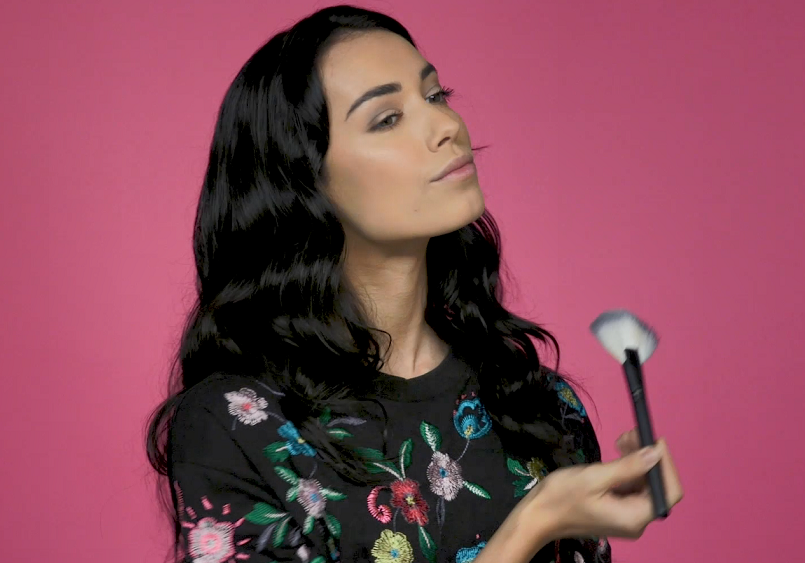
point(620, 330)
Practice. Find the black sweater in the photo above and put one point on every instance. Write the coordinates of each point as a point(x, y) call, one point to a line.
point(248, 488)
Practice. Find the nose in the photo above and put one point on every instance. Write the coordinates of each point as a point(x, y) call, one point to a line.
point(444, 127)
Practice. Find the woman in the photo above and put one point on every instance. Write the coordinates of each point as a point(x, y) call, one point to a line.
point(349, 386)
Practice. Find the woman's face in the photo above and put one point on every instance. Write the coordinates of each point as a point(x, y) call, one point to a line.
point(387, 151)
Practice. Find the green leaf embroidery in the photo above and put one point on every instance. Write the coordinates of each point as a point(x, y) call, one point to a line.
point(381, 466)
point(330, 494)
point(278, 451)
point(281, 531)
point(369, 453)
point(427, 545)
point(375, 462)
point(319, 559)
point(431, 435)
point(308, 526)
point(580, 455)
point(333, 525)
point(325, 416)
point(516, 467)
point(292, 493)
point(339, 433)
point(405, 453)
point(476, 489)
point(264, 514)
point(286, 475)
point(520, 486)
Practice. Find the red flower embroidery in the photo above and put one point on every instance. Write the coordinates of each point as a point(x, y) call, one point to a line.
point(405, 496)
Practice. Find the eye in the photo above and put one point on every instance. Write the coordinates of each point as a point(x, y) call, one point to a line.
point(441, 96)
point(387, 123)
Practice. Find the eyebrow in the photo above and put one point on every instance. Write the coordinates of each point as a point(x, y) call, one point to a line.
point(385, 89)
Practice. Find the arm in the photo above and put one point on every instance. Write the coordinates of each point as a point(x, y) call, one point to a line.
point(231, 502)
point(534, 523)
point(523, 533)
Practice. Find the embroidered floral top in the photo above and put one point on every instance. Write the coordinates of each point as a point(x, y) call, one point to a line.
point(249, 488)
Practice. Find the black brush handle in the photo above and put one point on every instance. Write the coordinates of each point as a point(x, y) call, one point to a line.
point(634, 376)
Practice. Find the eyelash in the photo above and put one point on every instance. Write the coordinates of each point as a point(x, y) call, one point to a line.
point(445, 93)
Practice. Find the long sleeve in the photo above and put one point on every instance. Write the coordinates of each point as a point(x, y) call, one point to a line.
point(248, 486)
point(577, 422)
point(226, 488)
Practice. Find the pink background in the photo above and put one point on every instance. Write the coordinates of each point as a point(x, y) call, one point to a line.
point(646, 155)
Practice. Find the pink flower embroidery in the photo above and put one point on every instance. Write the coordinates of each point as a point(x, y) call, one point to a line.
point(247, 406)
point(311, 497)
point(210, 541)
point(381, 513)
point(444, 476)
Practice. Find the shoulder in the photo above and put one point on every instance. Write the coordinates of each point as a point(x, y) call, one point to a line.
point(224, 396)
point(218, 412)
point(574, 417)
point(566, 392)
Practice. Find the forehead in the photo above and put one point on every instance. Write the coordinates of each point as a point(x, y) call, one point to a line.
point(360, 62)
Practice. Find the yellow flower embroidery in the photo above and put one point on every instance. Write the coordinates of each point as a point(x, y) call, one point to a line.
point(392, 547)
point(529, 476)
point(536, 468)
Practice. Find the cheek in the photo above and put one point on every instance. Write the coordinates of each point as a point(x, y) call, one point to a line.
point(377, 193)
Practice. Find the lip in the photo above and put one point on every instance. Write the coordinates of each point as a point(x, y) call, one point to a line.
point(453, 165)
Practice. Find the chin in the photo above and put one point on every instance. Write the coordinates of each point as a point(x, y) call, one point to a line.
point(475, 205)
point(462, 212)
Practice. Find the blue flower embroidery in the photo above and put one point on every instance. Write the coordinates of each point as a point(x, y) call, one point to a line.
point(296, 444)
point(569, 396)
point(471, 420)
point(468, 554)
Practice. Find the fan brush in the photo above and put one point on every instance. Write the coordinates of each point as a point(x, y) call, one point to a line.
point(631, 341)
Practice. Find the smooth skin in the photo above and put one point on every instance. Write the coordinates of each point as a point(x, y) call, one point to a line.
point(599, 499)
point(378, 171)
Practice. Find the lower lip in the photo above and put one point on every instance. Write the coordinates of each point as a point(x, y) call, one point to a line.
point(460, 173)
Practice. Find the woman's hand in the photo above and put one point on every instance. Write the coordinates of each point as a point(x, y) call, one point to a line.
point(604, 499)
point(593, 500)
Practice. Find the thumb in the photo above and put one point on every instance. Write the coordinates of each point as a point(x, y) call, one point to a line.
point(632, 466)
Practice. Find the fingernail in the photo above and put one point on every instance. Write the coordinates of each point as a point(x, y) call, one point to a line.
point(650, 455)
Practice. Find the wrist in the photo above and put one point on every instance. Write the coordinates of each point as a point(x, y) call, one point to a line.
point(525, 531)
point(541, 519)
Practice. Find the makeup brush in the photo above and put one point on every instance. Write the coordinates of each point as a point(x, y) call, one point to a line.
point(631, 341)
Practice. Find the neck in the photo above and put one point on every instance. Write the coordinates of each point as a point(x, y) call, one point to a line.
point(392, 286)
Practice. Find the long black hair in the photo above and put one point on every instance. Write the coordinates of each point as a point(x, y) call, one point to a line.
point(272, 298)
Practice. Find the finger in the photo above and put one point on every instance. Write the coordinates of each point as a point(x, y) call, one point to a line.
point(628, 442)
point(629, 489)
point(629, 468)
point(629, 514)
point(638, 485)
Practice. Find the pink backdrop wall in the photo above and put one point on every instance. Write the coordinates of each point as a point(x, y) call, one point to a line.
point(643, 154)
